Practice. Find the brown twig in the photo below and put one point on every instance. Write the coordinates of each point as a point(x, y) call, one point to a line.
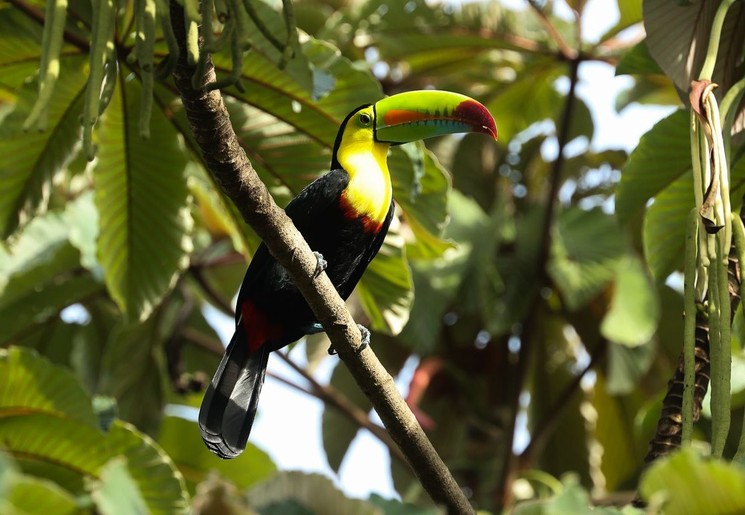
point(333, 397)
point(543, 429)
point(226, 160)
point(504, 492)
point(567, 52)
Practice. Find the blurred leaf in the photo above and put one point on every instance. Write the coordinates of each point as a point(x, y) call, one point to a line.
point(663, 155)
point(338, 430)
point(626, 365)
point(386, 287)
point(637, 60)
point(630, 13)
point(622, 453)
point(586, 250)
point(132, 371)
point(648, 90)
point(686, 483)
point(141, 198)
point(530, 98)
point(180, 439)
point(116, 493)
point(28, 494)
point(571, 499)
point(396, 507)
point(313, 492)
point(634, 307)
point(581, 123)
point(420, 187)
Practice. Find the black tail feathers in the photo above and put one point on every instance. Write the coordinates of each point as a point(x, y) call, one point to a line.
point(229, 405)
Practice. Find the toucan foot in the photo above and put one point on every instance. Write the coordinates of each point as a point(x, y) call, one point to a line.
point(365, 337)
point(321, 264)
point(365, 342)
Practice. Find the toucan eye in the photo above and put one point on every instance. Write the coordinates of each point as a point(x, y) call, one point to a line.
point(365, 119)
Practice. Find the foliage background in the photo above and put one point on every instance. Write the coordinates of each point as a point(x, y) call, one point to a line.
point(523, 290)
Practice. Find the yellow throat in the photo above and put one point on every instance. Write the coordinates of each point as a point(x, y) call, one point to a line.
point(369, 190)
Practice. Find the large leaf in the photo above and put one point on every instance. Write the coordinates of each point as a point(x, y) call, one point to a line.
point(180, 439)
point(313, 492)
point(141, 198)
point(664, 229)
point(685, 484)
point(116, 493)
point(32, 159)
point(47, 423)
point(133, 372)
point(21, 493)
point(31, 383)
point(678, 38)
point(586, 250)
point(630, 13)
point(386, 288)
point(663, 155)
point(338, 430)
point(529, 99)
point(634, 307)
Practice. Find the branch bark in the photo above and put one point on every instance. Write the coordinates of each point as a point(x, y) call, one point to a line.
point(233, 172)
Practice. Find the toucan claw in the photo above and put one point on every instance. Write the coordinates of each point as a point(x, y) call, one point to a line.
point(321, 264)
point(365, 337)
point(364, 343)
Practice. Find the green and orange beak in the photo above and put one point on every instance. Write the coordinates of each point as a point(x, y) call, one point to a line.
point(416, 115)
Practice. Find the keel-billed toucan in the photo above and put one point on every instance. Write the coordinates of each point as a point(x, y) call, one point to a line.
point(344, 216)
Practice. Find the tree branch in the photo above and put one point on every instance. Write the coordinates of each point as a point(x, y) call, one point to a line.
point(234, 174)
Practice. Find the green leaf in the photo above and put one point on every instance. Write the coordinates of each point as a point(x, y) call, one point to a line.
point(621, 447)
point(141, 198)
point(33, 159)
point(396, 507)
point(132, 371)
point(47, 422)
point(116, 493)
point(337, 430)
point(638, 61)
point(32, 383)
point(314, 492)
point(678, 36)
point(158, 480)
point(685, 483)
point(586, 249)
point(630, 13)
point(530, 98)
point(634, 308)
point(180, 439)
point(28, 494)
point(626, 366)
point(664, 229)
point(663, 155)
point(385, 290)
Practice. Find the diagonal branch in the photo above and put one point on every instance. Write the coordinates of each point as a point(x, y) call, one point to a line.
point(228, 163)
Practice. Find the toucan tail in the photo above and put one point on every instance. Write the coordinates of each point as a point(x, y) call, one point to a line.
point(229, 405)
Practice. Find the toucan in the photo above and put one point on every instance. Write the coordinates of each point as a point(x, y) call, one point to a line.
point(344, 216)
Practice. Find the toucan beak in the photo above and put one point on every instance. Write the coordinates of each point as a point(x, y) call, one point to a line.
point(416, 115)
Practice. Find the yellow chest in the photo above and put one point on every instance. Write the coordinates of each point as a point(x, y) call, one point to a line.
point(369, 190)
